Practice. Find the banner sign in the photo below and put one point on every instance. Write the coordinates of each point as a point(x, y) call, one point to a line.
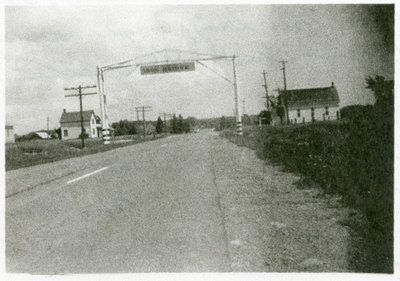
point(166, 68)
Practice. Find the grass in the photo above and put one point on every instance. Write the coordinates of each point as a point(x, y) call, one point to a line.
point(353, 159)
point(35, 152)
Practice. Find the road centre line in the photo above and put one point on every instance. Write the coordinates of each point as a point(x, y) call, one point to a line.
point(87, 175)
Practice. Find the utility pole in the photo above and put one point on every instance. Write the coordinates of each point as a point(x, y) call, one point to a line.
point(79, 88)
point(279, 95)
point(144, 123)
point(47, 124)
point(137, 116)
point(166, 115)
point(266, 89)
point(143, 109)
point(284, 89)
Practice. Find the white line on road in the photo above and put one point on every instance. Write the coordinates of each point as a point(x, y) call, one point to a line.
point(87, 175)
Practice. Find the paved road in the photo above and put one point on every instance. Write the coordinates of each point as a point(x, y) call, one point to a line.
point(151, 207)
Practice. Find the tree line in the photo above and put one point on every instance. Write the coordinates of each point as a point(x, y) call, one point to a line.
point(177, 125)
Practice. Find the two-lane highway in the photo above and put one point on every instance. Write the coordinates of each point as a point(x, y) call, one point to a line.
point(151, 207)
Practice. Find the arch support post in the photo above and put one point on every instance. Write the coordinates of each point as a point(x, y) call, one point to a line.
point(238, 116)
point(104, 124)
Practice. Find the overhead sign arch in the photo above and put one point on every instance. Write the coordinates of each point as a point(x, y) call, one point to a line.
point(161, 62)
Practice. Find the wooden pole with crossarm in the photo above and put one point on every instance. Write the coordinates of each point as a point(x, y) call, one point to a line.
point(79, 88)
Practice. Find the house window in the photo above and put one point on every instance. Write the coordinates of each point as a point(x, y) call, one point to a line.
point(298, 112)
point(94, 131)
point(326, 110)
point(312, 113)
point(92, 121)
point(65, 133)
point(8, 133)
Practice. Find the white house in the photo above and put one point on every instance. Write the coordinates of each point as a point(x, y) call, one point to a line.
point(71, 124)
point(308, 105)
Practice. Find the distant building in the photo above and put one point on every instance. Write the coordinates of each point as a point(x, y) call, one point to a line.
point(44, 135)
point(308, 105)
point(10, 137)
point(71, 124)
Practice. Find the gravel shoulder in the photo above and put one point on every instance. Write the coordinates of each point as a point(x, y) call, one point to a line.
point(271, 225)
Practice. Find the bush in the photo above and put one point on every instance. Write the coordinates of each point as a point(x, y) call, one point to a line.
point(266, 117)
point(84, 134)
point(353, 159)
point(355, 112)
point(226, 123)
point(124, 127)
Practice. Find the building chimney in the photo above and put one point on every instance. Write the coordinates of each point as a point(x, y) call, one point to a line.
point(333, 84)
point(64, 110)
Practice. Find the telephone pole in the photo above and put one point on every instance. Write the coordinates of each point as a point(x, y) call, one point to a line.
point(79, 88)
point(284, 89)
point(279, 95)
point(143, 109)
point(166, 115)
point(266, 89)
point(48, 125)
point(137, 115)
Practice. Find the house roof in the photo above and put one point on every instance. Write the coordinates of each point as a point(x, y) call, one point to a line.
point(43, 135)
point(75, 116)
point(312, 97)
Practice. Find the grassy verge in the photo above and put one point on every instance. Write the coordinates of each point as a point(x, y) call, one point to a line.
point(30, 153)
point(352, 159)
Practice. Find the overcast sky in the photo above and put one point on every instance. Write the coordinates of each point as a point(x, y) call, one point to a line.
point(50, 48)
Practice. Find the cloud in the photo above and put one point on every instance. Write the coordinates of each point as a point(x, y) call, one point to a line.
point(49, 48)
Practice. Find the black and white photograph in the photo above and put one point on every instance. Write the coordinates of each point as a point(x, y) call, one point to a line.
point(231, 139)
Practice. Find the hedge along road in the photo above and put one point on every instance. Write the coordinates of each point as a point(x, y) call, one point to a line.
point(189, 203)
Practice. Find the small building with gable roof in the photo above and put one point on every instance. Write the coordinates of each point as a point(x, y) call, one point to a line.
point(71, 124)
point(10, 137)
point(308, 105)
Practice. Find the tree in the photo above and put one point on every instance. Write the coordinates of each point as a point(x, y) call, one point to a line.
point(193, 121)
point(58, 132)
point(265, 117)
point(383, 90)
point(246, 119)
point(124, 127)
point(159, 125)
point(222, 123)
point(225, 123)
point(174, 126)
point(84, 135)
point(132, 128)
point(186, 126)
point(180, 124)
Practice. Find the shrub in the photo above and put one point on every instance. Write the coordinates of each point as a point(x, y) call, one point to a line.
point(353, 159)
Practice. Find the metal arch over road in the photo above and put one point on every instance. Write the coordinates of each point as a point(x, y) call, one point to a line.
point(160, 64)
